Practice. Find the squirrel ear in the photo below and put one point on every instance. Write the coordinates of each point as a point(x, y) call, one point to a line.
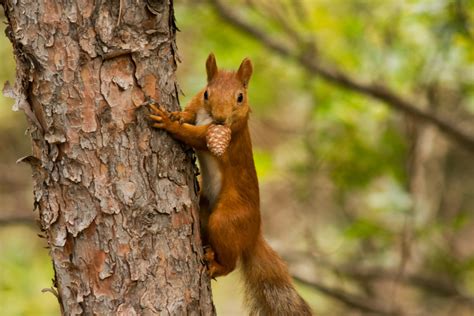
point(211, 67)
point(245, 71)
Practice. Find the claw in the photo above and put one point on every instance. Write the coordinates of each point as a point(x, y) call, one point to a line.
point(148, 101)
point(211, 271)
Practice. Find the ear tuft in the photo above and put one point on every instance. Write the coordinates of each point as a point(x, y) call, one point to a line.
point(211, 67)
point(245, 71)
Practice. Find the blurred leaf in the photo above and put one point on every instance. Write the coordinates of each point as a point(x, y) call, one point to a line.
point(263, 163)
point(25, 270)
point(366, 229)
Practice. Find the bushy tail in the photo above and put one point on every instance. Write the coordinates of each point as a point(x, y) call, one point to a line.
point(268, 286)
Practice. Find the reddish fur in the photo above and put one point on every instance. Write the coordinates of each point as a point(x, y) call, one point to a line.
point(232, 226)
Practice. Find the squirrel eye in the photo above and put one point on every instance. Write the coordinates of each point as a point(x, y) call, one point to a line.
point(240, 98)
point(206, 96)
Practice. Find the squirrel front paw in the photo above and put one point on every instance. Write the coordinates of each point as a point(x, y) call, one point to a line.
point(181, 117)
point(160, 116)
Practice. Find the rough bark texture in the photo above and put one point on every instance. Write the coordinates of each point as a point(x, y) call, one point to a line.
point(117, 200)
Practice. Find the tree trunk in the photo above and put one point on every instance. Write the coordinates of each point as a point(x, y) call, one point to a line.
point(117, 200)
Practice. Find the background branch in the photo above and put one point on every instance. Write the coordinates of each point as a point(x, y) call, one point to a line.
point(426, 283)
point(307, 59)
point(432, 285)
point(17, 220)
point(346, 298)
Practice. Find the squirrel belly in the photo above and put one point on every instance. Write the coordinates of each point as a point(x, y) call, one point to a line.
point(208, 165)
point(229, 198)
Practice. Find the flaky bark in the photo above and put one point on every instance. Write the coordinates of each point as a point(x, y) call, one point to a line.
point(117, 200)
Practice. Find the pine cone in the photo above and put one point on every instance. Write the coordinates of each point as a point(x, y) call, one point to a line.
point(218, 139)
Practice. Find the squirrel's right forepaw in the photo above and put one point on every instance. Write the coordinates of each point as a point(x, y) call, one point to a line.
point(177, 116)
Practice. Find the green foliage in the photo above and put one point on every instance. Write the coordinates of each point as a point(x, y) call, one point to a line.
point(357, 140)
point(366, 229)
point(263, 163)
point(25, 270)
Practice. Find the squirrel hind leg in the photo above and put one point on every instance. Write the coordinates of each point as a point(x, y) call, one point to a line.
point(225, 240)
point(215, 269)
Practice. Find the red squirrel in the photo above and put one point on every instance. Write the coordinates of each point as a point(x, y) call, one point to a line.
point(229, 198)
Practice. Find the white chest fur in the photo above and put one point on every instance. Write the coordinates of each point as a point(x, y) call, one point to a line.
point(209, 167)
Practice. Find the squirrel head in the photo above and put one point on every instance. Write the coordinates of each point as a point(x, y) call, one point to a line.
point(225, 97)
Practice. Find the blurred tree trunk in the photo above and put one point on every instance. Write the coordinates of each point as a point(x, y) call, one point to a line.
point(117, 200)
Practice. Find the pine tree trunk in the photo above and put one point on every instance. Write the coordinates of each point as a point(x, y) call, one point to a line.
point(117, 200)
